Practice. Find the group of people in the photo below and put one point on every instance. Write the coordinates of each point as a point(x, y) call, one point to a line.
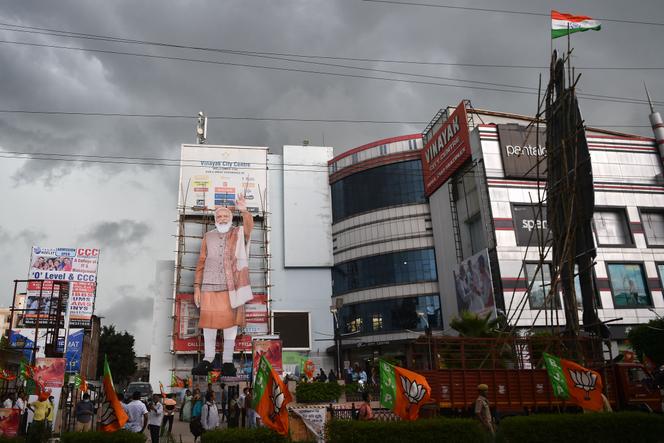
point(53, 264)
point(43, 410)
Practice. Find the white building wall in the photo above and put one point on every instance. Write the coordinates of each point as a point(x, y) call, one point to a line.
point(161, 360)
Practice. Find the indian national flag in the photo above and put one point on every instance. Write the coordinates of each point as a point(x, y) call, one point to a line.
point(402, 391)
point(564, 24)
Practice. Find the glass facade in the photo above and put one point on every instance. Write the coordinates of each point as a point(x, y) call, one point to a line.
point(401, 267)
point(380, 187)
point(391, 315)
point(628, 285)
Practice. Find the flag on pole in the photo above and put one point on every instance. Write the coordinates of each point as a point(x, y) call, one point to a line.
point(80, 382)
point(113, 416)
point(213, 376)
point(161, 389)
point(402, 391)
point(564, 24)
point(271, 398)
point(575, 383)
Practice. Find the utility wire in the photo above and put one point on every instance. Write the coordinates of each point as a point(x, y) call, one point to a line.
point(592, 97)
point(87, 36)
point(503, 11)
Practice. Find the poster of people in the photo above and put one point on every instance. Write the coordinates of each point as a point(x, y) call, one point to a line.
point(271, 349)
point(50, 371)
point(187, 335)
point(474, 287)
point(10, 419)
point(215, 175)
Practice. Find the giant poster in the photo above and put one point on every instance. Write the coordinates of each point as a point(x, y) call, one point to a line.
point(215, 175)
point(64, 264)
point(474, 286)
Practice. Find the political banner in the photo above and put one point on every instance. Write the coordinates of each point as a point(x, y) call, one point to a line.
point(10, 420)
point(314, 419)
point(474, 286)
point(215, 175)
point(50, 372)
point(271, 350)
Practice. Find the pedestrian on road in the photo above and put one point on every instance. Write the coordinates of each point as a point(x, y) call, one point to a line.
point(223, 401)
point(233, 412)
point(84, 412)
point(195, 425)
point(137, 414)
point(50, 419)
point(155, 417)
point(210, 413)
point(483, 409)
point(169, 414)
point(186, 406)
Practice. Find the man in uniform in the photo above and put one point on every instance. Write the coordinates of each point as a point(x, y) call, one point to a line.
point(483, 409)
point(221, 285)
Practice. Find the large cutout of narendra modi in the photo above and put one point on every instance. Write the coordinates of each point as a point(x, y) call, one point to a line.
point(221, 284)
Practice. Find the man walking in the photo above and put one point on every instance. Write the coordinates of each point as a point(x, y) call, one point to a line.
point(84, 412)
point(155, 417)
point(169, 414)
point(210, 413)
point(483, 409)
point(137, 414)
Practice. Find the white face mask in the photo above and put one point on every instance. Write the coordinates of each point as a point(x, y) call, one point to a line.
point(223, 227)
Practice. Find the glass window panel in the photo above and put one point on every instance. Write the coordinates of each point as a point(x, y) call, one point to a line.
point(387, 269)
point(380, 187)
point(653, 225)
point(628, 285)
point(611, 228)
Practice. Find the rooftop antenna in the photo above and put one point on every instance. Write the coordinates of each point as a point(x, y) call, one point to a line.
point(201, 129)
point(657, 125)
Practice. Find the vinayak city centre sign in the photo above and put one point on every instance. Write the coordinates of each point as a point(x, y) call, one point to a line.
point(446, 148)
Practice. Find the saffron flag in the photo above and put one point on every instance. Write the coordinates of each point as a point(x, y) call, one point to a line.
point(80, 382)
point(213, 376)
point(113, 416)
point(402, 390)
point(161, 390)
point(564, 24)
point(271, 398)
point(575, 383)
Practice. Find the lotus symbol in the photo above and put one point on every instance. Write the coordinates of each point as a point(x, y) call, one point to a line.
point(413, 391)
point(277, 398)
point(585, 380)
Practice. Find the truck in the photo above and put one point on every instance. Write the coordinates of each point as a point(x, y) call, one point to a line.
point(518, 383)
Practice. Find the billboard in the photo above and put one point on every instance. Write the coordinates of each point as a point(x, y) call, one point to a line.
point(214, 175)
point(446, 148)
point(474, 287)
point(271, 349)
point(64, 264)
point(521, 147)
point(187, 335)
point(530, 224)
point(24, 339)
point(50, 372)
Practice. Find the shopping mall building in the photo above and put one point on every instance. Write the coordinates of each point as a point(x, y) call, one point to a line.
point(414, 232)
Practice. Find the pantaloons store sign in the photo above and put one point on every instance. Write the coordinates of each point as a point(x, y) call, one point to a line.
point(446, 148)
point(523, 151)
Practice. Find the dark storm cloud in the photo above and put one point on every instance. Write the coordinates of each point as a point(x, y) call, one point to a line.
point(120, 234)
point(129, 310)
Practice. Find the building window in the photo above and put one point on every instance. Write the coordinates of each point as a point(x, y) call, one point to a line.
point(376, 188)
point(541, 286)
point(391, 315)
point(189, 320)
point(611, 228)
point(353, 158)
point(476, 231)
point(653, 227)
point(628, 285)
point(412, 145)
point(401, 267)
point(382, 149)
point(293, 329)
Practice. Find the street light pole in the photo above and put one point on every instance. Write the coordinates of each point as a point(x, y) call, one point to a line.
point(337, 339)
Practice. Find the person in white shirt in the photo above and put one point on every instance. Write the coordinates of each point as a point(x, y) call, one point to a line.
point(137, 413)
point(155, 416)
point(9, 401)
point(210, 413)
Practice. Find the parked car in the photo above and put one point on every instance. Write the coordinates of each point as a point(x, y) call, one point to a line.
point(143, 387)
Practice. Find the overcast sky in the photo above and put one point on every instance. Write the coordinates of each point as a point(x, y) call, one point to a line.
point(128, 210)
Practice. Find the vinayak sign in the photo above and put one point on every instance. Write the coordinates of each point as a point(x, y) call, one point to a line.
point(446, 148)
point(523, 151)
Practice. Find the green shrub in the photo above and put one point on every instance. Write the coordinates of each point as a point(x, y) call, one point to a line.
point(352, 388)
point(420, 431)
point(237, 435)
point(623, 427)
point(317, 392)
point(102, 437)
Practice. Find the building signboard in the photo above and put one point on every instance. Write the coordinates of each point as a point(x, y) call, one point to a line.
point(521, 149)
point(530, 224)
point(474, 286)
point(64, 264)
point(215, 175)
point(446, 148)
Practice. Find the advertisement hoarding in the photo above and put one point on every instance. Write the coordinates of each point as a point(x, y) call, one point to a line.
point(187, 336)
point(10, 420)
point(215, 175)
point(271, 349)
point(521, 148)
point(50, 371)
point(24, 339)
point(64, 264)
point(474, 286)
point(446, 148)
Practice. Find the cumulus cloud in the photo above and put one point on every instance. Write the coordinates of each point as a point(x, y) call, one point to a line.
point(120, 234)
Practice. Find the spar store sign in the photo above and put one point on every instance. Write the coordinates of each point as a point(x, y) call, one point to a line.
point(445, 149)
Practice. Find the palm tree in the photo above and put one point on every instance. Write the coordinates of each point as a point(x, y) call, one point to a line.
point(469, 324)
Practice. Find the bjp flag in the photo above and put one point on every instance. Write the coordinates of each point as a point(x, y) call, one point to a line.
point(402, 391)
point(113, 416)
point(271, 397)
point(575, 383)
